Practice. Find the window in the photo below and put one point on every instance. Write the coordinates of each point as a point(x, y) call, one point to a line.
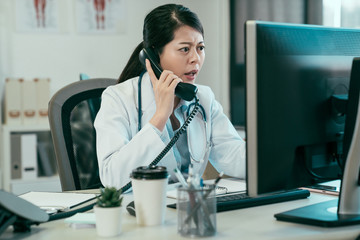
point(341, 13)
point(294, 11)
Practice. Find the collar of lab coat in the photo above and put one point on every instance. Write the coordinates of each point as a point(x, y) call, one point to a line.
point(147, 94)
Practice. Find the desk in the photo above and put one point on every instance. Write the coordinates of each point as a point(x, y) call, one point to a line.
point(249, 223)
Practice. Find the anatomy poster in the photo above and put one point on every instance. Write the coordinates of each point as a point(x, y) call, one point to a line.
point(101, 16)
point(36, 15)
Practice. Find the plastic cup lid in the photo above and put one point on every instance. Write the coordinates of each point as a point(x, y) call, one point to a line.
point(149, 172)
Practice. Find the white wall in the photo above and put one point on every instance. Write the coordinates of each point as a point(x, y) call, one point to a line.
point(62, 56)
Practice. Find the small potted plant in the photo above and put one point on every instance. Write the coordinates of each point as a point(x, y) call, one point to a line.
point(108, 212)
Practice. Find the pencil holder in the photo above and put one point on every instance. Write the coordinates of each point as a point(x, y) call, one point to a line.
point(196, 211)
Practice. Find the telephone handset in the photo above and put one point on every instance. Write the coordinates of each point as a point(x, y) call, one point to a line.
point(185, 91)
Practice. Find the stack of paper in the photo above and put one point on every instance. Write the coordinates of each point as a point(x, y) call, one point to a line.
point(61, 201)
point(225, 186)
point(81, 220)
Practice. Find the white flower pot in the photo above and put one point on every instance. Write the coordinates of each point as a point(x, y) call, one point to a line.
point(108, 221)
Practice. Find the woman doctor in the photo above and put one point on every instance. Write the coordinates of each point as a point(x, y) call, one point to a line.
point(140, 115)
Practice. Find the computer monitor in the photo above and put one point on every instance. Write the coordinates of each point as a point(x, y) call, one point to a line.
point(295, 77)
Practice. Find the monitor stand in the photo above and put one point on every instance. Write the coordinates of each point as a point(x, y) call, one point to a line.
point(346, 210)
point(322, 214)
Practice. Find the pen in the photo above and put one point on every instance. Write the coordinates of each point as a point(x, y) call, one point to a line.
point(218, 178)
point(201, 201)
point(190, 179)
point(201, 182)
point(181, 178)
point(59, 208)
point(53, 209)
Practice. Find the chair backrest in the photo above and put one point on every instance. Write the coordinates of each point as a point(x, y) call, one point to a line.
point(73, 133)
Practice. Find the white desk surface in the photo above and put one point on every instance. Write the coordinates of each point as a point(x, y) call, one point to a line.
point(249, 223)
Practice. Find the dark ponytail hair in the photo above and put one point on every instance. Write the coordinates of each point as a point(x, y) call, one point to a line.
point(133, 67)
point(159, 28)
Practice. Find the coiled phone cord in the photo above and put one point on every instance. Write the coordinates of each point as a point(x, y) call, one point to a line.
point(172, 141)
point(154, 162)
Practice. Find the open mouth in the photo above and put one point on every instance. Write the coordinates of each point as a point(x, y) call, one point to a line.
point(191, 73)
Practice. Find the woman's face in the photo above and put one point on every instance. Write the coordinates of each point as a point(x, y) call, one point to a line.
point(185, 54)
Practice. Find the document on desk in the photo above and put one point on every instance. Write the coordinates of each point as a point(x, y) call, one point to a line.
point(331, 187)
point(225, 186)
point(61, 201)
point(81, 220)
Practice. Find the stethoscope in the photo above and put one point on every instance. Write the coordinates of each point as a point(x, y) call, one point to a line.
point(188, 113)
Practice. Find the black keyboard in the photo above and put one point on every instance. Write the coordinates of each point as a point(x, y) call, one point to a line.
point(240, 200)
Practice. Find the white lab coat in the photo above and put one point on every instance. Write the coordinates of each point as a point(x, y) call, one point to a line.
point(121, 147)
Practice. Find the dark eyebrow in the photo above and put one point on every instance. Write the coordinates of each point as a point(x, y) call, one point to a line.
point(190, 43)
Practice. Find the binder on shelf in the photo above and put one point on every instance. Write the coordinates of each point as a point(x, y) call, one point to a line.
point(45, 164)
point(15, 156)
point(24, 156)
point(46, 155)
point(29, 101)
point(43, 97)
point(13, 101)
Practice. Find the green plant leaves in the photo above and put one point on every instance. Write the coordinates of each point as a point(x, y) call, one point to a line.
point(109, 197)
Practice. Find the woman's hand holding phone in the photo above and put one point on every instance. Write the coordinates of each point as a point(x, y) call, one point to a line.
point(164, 90)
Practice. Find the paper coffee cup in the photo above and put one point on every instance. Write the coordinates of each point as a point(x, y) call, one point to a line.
point(149, 188)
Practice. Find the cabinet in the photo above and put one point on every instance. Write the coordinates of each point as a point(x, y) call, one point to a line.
point(18, 186)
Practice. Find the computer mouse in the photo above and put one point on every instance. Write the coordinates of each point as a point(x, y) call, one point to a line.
point(131, 208)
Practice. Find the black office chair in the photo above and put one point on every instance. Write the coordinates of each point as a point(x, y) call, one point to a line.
point(73, 134)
